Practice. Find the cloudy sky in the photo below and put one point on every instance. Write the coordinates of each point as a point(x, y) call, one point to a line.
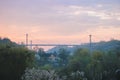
point(60, 21)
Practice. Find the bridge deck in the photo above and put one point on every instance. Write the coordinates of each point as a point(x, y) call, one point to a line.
point(53, 45)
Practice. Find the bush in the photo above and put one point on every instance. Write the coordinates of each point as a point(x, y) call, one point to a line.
point(38, 74)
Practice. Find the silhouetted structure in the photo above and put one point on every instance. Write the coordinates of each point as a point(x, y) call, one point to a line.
point(90, 39)
point(26, 39)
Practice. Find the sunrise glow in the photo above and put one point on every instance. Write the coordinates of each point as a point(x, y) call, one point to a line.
point(60, 21)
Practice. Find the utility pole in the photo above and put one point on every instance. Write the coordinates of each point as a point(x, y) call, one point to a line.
point(90, 40)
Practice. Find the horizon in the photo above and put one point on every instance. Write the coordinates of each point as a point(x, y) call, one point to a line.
point(47, 47)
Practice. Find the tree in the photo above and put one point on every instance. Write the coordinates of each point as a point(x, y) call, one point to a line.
point(14, 59)
point(63, 55)
point(111, 63)
point(80, 59)
point(77, 62)
point(96, 65)
point(43, 60)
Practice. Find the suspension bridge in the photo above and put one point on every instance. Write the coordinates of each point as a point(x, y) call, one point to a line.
point(52, 45)
point(31, 44)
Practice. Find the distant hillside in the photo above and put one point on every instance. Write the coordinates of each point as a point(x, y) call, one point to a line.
point(102, 46)
point(7, 42)
point(57, 48)
point(105, 46)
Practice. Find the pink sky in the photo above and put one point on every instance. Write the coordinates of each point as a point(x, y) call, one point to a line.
point(38, 35)
point(63, 22)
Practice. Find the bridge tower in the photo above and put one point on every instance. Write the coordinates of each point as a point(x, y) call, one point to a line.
point(90, 40)
point(26, 39)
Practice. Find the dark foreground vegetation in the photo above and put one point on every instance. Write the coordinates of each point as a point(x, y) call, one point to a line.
point(19, 63)
point(13, 60)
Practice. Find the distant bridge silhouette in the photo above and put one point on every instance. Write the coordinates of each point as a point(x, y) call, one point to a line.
point(52, 44)
point(35, 46)
point(31, 45)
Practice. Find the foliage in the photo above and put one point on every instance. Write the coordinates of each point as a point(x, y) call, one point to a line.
point(14, 59)
point(100, 64)
point(63, 55)
point(97, 66)
point(79, 59)
point(43, 57)
point(81, 65)
point(38, 74)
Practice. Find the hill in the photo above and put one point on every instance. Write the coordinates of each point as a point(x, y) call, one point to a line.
point(102, 46)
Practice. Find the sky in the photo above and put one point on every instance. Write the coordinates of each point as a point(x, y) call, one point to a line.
point(60, 21)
